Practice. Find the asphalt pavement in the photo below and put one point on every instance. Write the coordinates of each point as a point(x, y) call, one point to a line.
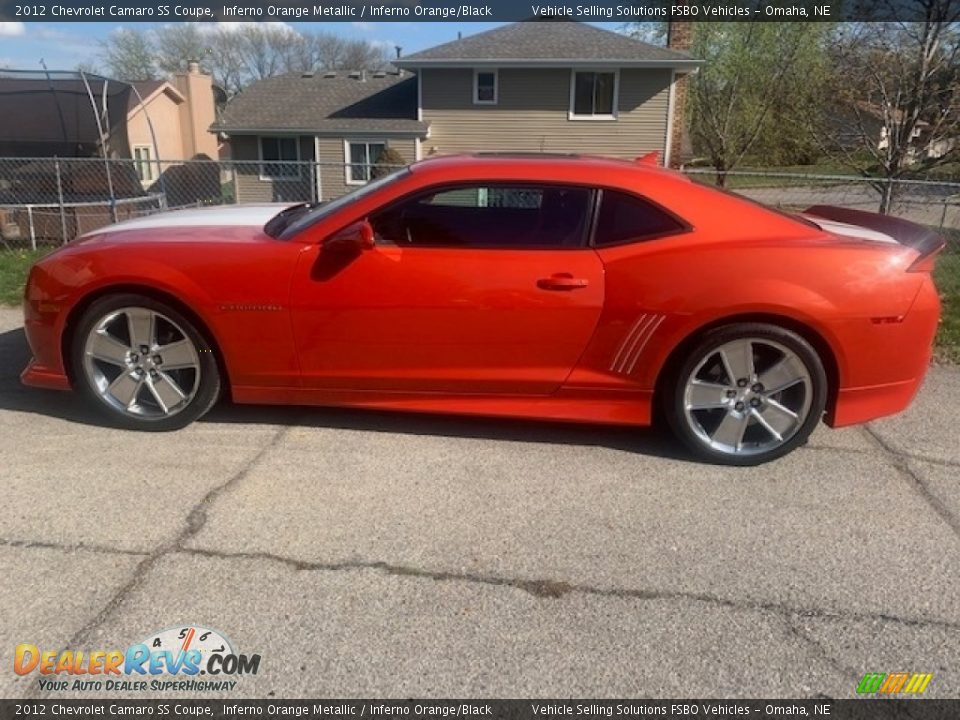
point(366, 554)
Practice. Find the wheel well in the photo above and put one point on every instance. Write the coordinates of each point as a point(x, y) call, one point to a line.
point(77, 311)
point(819, 343)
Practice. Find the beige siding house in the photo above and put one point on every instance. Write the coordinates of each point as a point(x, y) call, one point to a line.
point(314, 136)
point(532, 113)
point(526, 87)
point(169, 121)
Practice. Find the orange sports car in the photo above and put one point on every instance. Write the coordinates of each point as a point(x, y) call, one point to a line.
point(548, 287)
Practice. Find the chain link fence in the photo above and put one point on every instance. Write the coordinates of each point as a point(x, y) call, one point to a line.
point(45, 202)
point(931, 203)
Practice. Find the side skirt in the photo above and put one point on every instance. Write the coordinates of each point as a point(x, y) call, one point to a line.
point(609, 407)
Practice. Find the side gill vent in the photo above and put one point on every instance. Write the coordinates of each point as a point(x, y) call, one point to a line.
point(633, 343)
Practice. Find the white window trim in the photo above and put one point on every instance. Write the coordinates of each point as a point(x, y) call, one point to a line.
point(476, 86)
point(270, 178)
point(150, 163)
point(571, 115)
point(317, 168)
point(347, 165)
point(420, 96)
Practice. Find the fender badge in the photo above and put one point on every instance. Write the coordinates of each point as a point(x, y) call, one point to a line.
point(250, 308)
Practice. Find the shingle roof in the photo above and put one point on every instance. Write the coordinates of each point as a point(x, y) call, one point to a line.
point(326, 104)
point(533, 41)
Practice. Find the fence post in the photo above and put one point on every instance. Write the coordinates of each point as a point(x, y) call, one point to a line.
point(943, 213)
point(63, 210)
point(33, 231)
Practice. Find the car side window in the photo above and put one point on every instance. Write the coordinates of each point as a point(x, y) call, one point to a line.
point(625, 218)
point(489, 215)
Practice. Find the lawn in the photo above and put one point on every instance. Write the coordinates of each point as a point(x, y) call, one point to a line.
point(762, 176)
point(14, 266)
point(947, 277)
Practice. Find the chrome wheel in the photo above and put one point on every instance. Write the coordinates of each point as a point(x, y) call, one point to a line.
point(747, 396)
point(142, 363)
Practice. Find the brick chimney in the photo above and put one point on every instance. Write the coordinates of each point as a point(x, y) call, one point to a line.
point(679, 37)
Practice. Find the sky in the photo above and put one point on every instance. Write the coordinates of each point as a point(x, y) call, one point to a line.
point(63, 46)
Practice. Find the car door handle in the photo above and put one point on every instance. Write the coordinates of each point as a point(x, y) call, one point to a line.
point(562, 281)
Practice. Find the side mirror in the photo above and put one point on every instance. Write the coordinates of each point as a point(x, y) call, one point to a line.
point(357, 236)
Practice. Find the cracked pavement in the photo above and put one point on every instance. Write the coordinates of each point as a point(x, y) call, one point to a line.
point(368, 554)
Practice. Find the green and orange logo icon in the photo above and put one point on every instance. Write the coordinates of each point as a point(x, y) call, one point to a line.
point(894, 683)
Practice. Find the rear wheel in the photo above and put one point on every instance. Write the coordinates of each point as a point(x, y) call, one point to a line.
point(747, 394)
point(144, 365)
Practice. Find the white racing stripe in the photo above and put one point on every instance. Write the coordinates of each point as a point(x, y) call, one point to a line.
point(220, 216)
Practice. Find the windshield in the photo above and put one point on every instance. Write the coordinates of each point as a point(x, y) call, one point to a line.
point(318, 212)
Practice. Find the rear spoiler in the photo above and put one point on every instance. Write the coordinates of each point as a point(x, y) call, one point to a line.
point(922, 239)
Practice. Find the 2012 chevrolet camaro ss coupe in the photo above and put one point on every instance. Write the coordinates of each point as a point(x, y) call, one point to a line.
point(549, 287)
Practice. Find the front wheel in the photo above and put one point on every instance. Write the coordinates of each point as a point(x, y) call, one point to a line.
point(746, 394)
point(142, 364)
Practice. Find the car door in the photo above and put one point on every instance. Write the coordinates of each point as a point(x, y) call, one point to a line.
point(470, 288)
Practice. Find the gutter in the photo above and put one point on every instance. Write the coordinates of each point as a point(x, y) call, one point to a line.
point(679, 64)
point(319, 133)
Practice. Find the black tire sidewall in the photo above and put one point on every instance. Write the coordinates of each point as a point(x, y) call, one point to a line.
point(675, 408)
point(206, 395)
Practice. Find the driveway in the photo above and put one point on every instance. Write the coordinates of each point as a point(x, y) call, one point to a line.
point(367, 554)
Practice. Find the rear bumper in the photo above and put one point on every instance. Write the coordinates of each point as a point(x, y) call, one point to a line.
point(859, 405)
point(38, 376)
point(890, 363)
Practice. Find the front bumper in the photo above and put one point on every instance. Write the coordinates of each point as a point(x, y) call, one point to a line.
point(38, 376)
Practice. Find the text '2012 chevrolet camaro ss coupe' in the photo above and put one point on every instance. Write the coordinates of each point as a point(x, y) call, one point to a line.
point(547, 287)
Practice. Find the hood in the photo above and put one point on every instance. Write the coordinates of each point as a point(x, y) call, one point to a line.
point(220, 216)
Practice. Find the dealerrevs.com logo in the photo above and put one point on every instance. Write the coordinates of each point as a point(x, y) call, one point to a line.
point(172, 659)
point(894, 683)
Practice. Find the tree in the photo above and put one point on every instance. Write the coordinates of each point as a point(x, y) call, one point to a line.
point(757, 81)
point(176, 46)
point(653, 32)
point(389, 161)
point(129, 55)
point(235, 54)
point(895, 90)
point(88, 68)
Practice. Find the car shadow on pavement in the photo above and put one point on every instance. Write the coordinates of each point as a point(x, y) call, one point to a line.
point(15, 353)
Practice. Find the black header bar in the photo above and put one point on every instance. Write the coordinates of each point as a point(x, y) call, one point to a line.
point(867, 709)
point(132, 11)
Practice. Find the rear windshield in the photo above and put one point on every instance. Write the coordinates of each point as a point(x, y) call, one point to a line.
point(315, 213)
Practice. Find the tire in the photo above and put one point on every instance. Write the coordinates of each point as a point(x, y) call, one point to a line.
point(768, 408)
point(166, 388)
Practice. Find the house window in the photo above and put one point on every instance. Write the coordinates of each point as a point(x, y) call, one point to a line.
point(145, 169)
point(484, 87)
point(361, 157)
point(593, 94)
point(279, 158)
